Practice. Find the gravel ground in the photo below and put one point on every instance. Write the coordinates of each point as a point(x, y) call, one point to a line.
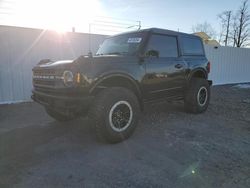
point(170, 148)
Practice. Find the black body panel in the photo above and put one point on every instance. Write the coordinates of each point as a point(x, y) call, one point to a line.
point(153, 77)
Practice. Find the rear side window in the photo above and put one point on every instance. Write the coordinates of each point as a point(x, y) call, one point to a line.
point(192, 46)
point(166, 46)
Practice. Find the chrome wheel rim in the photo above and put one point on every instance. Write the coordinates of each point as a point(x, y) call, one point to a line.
point(202, 96)
point(120, 116)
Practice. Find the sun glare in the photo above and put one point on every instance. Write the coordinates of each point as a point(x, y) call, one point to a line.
point(57, 15)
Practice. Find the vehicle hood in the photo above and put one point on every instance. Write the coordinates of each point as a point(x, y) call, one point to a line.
point(87, 64)
point(49, 63)
point(113, 59)
point(56, 65)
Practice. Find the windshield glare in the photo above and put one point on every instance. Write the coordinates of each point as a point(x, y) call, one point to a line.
point(127, 44)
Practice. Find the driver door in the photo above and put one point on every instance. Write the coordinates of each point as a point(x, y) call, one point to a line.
point(165, 69)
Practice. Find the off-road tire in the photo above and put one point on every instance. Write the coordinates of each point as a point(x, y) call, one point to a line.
point(102, 109)
point(191, 101)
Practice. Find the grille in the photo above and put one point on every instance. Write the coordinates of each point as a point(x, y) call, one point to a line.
point(37, 82)
point(45, 78)
point(44, 72)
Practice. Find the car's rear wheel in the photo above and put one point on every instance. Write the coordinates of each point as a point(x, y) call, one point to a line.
point(114, 114)
point(197, 96)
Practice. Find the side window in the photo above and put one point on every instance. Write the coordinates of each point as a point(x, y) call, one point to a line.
point(192, 46)
point(165, 46)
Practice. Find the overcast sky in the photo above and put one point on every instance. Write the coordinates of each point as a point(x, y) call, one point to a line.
point(59, 14)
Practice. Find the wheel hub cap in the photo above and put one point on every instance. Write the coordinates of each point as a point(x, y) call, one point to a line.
point(120, 116)
point(202, 96)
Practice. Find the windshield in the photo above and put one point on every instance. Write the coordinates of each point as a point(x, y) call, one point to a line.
point(127, 44)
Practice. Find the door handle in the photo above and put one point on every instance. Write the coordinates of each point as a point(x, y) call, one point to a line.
point(178, 66)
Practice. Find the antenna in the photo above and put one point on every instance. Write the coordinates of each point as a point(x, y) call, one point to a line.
point(139, 25)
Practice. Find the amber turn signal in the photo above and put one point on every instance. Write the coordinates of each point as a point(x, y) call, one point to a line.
point(78, 78)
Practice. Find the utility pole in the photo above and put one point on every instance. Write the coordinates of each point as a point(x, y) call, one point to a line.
point(228, 14)
point(90, 53)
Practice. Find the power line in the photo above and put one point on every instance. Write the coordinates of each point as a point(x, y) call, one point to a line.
point(108, 25)
point(112, 18)
point(109, 22)
point(103, 24)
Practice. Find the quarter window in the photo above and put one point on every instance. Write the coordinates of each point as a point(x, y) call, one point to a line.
point(165, 46)
point(192, 46)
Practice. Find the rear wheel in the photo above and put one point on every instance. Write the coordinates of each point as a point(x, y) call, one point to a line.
point(114, 114)
point(58, 116)
point(197, 95)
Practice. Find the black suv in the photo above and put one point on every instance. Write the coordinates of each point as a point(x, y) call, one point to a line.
point(129, 70)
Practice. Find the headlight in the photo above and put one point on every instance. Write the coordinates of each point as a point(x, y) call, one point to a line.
point(68, 78)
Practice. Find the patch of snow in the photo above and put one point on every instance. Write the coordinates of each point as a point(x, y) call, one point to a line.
point(243, 86)
point(14, 102)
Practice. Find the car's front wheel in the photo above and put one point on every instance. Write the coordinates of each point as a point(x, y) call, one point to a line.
point(114, 114)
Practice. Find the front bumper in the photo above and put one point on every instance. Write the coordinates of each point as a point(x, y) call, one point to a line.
point(63, 103)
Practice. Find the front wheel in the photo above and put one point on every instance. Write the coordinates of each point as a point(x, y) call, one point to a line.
point(114, 114)
point(197, 96)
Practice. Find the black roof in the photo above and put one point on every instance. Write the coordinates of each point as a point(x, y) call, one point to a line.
point(161, 31)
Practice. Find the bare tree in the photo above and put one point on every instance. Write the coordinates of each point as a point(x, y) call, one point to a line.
point(241, 32)
point(225, 19)
point(234, 32)
point(206, 28)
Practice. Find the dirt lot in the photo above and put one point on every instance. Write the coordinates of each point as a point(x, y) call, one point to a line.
point(170, 148)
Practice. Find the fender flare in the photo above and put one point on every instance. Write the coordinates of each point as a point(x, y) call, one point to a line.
point(122, 75)
point(191, 74)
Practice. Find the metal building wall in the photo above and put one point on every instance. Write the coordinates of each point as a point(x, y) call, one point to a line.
point(22, 48)
point(228, 64)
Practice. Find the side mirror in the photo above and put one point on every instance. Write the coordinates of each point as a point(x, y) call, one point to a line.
point(152, 53)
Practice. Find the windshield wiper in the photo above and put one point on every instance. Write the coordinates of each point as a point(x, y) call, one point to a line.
point(117, 53)
point(112, 53)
